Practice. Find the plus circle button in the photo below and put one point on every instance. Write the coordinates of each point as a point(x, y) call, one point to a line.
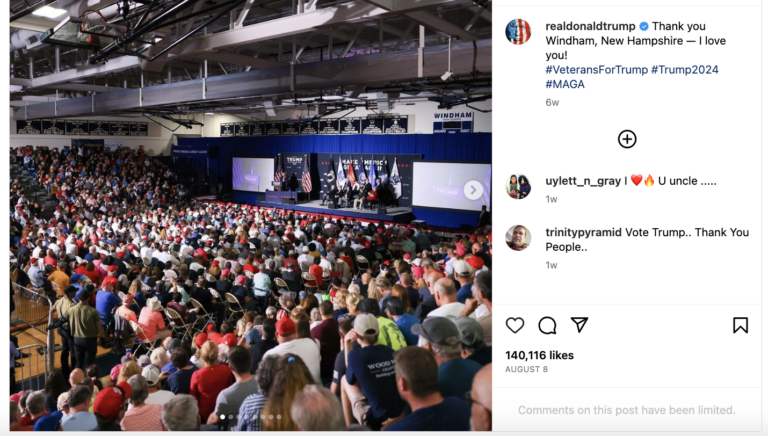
point(627, 139)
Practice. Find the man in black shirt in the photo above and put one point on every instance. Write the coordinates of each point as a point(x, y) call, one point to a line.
point(204, 297)
point(266, 343)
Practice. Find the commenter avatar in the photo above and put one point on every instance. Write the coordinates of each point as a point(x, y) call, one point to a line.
point(518, 238)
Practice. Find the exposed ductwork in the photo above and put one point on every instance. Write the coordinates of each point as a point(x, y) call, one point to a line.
point(468, 58)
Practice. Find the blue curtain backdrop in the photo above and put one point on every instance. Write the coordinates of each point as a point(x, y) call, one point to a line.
point(466, 147)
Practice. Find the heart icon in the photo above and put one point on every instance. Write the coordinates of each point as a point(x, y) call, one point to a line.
point(636, 179)
point(515, 324)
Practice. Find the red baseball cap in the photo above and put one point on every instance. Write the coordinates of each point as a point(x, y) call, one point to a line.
point(109, 402)
point(230, 339)
point(285, 327)
point(202, 338)
point(476, 262)
point(460, 250)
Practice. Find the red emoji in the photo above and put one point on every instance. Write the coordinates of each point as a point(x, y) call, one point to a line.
point(636, 179)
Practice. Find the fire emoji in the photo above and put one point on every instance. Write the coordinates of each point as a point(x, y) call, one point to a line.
point(649, 181)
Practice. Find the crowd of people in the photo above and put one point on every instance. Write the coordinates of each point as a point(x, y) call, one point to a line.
point(235, 317)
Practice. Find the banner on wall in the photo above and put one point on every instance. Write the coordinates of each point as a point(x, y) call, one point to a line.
point(293, 165)
point(91, 143)
point(453, 122)
point(81, 127)
point(113, 144)
point(389, 125)
point(327, 165)
point(190, 150)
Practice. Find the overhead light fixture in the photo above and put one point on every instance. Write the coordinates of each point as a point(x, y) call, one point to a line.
point(49, 12)
point(210, 113)
point(448, 73)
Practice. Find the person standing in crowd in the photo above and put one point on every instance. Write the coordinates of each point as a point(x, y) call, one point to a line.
point(250, 413)
point(291, 376)
point(306, 348)
point(481, 398)
point(61, 307)
point(79, 417)
point(465, 275)
point(327, 333)
point(181, 414)
point(85, 323)
point(418, 385)
point(109, 407)
point(181, 380)
point(209, 381)
point(317, 409)
point(369, 383)
point(404, 321)
point(484, 218)
point(445, 296)
point(441, 336)
point(482, 293)
point(230, 399)
point(141, 416)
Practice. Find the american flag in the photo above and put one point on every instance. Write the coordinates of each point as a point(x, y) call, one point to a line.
point(306, 178)
point(279, 173)
point(518, 31)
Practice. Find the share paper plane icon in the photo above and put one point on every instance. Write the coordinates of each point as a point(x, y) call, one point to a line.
point(580, 322)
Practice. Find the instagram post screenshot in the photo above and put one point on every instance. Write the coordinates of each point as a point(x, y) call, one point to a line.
point(249, 215)
point(278, 215)
point(631, 210)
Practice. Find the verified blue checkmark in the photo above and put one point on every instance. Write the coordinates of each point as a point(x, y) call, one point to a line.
point(643, 26)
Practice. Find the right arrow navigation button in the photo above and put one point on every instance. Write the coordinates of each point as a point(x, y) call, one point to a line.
point(580, 322)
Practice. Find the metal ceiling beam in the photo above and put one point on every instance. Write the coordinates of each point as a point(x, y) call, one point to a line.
point(113, 66)
point(301, 23)
point(347, 72)
point(80, 87)
point(405, 35)
point(439, 25)
point(485, 13)
point(234, 58)
point(244, 13)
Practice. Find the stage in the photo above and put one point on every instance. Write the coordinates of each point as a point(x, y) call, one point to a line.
point(394, 214)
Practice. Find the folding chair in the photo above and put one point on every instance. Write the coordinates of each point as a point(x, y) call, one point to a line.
point(14, 263)
point(140, 340)
point(214, 293)
point(184, 329)
point(362, 263)
point(234, 306)
point(202, 314)
point(307, 277)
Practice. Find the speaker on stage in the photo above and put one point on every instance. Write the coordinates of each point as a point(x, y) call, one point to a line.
point(287, 200)
point(213, 151)
point(382, 211)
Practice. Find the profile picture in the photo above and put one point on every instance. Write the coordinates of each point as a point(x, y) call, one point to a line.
point(518, 31)
point(518, 238)
point(517, 186)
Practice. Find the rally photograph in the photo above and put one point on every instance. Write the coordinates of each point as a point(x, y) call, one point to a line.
point(250, 215)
